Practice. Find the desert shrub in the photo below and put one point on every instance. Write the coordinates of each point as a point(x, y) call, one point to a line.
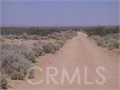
point(60, 43)
point(38, 49)
point(36, 37)
point(111, 41)
point(30, 37)
point(9, 36)
point(29, 55)
point(41, 48)
point(63, 34)
point(99, 40)
point(15, 60)
point(22, 49)
point(3, 82)
point(43, 31)
point(49, 47)
point(100, 43)
point(13, 64)
point(95, 37)
point(113, 44)
point(36, 33)
point(114, 36)
point(61, 37)
point(23, 36)
point(102, 30)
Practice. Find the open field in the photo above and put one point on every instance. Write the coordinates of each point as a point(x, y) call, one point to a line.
point(59, 45)
point(19, 52)
point(108, 37)
point(23, 48)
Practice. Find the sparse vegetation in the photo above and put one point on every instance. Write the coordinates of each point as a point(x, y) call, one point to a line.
point(20, 49)
point(42, 31)
point(13, 64)
point(110, 41)
point(17, 58)
point(51, 47)
point(101, 30)
point(105, 37)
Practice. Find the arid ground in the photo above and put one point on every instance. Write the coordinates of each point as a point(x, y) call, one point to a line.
point(78, 52)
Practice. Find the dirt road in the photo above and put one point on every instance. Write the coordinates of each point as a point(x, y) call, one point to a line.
point(79, 54)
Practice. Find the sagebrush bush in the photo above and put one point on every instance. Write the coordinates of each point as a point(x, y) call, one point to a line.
point(22, 36)
point(30, 37)
point(102, 30)
point(15, 60)
point(63, 35)
point(60, 43)
point(113, 44)
point(49, 47)
point(3, 83)
point(29, 54)
point(22, 49)
point(9, 36)
point(38, 49)
point(13, 64)
point(111, 41)
point(41, 48)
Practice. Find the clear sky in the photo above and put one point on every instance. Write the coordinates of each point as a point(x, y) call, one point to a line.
point(60, 13)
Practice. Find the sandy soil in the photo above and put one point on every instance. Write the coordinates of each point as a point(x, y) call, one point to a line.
point(79, 52)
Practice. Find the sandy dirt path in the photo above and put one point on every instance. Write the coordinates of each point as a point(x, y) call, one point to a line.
point(78, 52)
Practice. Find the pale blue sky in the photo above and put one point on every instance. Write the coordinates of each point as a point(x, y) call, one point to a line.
point(52, 13)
